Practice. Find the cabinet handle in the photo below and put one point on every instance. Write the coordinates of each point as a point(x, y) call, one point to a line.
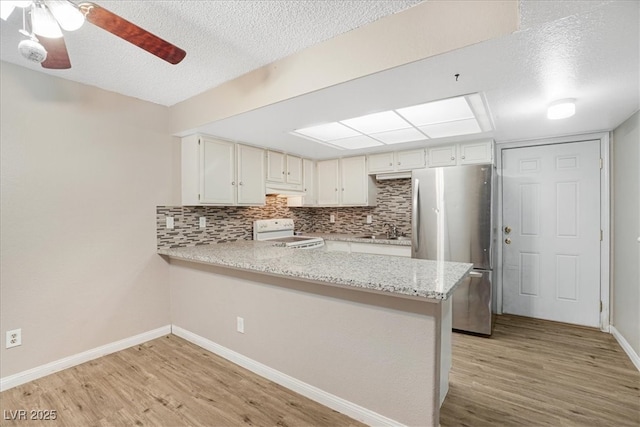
point(390, 164)
point(462, 157)
point(453, 158)
point(233, 183)
point(399, 163)
point(282, 172)
point(336, 189)
point(343, 189)
point(240, 183)
point(288, 173)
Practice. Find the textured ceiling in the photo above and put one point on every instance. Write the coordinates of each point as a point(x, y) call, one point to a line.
point(589, 51)
point(223, 40)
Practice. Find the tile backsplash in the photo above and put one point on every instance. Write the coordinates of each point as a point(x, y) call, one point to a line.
point(231, 223)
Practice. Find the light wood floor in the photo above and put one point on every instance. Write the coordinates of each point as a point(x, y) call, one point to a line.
point(539, 373)
point(529, 373)
point(164, 382)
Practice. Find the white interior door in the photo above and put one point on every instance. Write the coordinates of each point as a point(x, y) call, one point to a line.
point(551, 232)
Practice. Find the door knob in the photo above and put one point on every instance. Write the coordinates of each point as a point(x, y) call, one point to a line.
point(507, 230)
point(507, 241)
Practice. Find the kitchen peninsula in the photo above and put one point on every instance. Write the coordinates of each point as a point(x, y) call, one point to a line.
point(367, 335)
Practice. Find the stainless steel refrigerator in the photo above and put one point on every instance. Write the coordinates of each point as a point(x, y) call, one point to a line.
point(451, 221)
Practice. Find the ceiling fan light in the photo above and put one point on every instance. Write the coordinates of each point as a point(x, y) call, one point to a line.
point(67, 14)
point(32, 50)
point(44, 23)
point(5, 9)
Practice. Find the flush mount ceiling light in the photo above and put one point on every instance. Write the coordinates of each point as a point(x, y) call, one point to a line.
point(462, 115)
point(561, 109)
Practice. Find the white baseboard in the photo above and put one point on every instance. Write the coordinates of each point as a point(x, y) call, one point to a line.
point(334, 402)
point(77, 359)
point(635, 359)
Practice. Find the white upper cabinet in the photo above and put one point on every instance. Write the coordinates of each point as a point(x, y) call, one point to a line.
point(309, 182)
point(250, 175)
point(442, 156)
point(476, 152)
point(410, 159)
point(327, 182)
point(397, 161)
point(381, 162)
point(284, 171)
point(294, 170)
point(345, 182)
point(275, 167)
point(468, 153)
point(354, 179)
point(212, 171)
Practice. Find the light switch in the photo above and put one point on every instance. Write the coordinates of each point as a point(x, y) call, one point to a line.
point(170, 224)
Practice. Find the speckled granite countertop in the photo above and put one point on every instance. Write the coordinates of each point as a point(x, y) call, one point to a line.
point(403, 241)
point(405, 277)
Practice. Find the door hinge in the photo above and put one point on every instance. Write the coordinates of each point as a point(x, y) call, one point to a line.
point(198, 196)
point(601, 235)
point(201, 140)
point(600, 306)
point(601, 163)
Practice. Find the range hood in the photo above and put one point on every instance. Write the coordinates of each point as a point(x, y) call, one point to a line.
point(284, 192)
point(393, 175)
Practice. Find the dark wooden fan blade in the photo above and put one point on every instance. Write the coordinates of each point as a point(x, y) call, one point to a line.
point(130, 32)
point(57, 55)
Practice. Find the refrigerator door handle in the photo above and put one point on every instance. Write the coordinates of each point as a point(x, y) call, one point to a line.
point(415, 215)
point(475, 274)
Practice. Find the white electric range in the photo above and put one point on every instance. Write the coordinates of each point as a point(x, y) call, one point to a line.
point(281, 231)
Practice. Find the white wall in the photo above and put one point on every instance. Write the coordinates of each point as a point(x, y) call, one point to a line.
point(626, 230)
point(82, 171)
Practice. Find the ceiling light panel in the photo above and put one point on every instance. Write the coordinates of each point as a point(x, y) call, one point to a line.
point(328, 132)
point(356, 142)
point(377, 122)
point(442, 111)
point(399, 136)
point(459, 127)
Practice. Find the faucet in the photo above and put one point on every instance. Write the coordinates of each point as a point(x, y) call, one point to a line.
point(392, 233)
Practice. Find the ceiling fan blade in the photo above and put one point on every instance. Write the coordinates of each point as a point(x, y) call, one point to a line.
point(130, 32)
point(57, 55)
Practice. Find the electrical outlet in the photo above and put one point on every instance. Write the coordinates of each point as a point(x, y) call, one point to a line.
point(332, 218)
point(369, 219)
point(202, 221)
point(170, 223)
point(14, 338)
point(240, 325)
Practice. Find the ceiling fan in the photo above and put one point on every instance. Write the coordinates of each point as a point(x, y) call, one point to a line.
point(42, 20)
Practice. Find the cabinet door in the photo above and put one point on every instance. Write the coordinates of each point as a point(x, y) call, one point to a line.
point(294, 170)
point(354, 189)
point(442, 156)
point(476, 152)
point(308, 183)
point(217, 172)
point(382, 162)
point(410, 159)
point(251, 183)
point(327, 185)
point(275, 166)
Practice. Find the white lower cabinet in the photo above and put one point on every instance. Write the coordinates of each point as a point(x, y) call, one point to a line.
point(216, 172)
point(344, 182)
point(368, 248)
